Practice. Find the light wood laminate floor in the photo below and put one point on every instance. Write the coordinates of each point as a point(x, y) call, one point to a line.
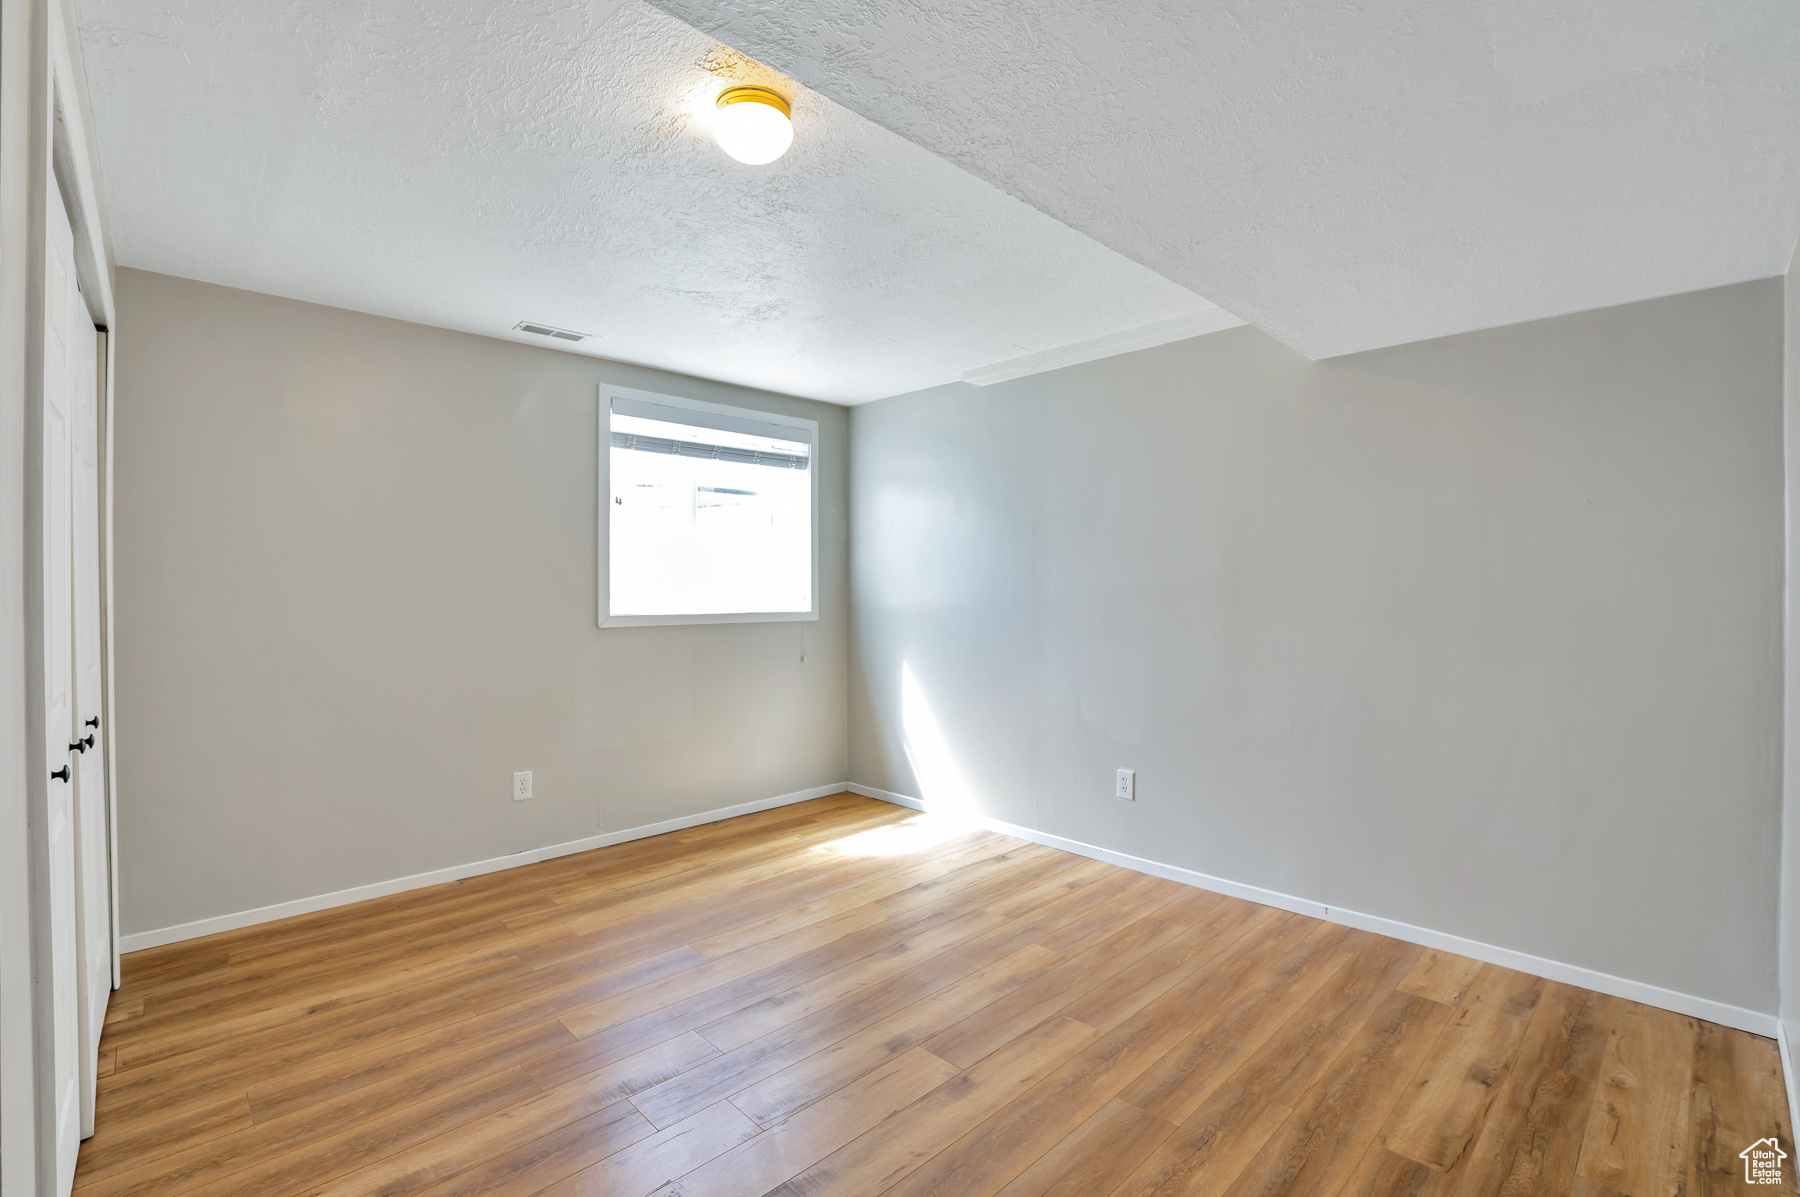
point(840, 998)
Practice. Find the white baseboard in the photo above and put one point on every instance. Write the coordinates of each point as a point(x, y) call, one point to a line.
point(381, 889)
point(1722, 1013)
point(1787, 1074)
point(1713, 1011)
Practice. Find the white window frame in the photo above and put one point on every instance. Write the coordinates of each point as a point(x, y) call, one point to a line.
point(603, 448)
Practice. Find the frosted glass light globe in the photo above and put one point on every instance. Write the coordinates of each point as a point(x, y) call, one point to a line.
point(751, 124)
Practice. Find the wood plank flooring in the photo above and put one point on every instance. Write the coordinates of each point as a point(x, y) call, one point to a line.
point(839, 997)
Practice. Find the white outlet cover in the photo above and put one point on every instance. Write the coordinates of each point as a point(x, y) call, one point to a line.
point(521, 786)
point(1127, 785)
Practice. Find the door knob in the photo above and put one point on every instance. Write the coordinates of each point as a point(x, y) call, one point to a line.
point(82, 745)
point(94, 722)
point(61, 774)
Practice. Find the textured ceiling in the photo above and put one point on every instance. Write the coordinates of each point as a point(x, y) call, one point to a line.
point(1347, 175)
point(470, 165)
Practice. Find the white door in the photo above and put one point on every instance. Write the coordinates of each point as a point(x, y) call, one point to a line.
point(60, 298)
point(92, 867)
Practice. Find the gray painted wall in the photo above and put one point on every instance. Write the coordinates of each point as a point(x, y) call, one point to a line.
point(355, 592)
point(1479, 634)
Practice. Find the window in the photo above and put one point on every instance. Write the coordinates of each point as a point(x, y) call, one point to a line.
point(709, 513)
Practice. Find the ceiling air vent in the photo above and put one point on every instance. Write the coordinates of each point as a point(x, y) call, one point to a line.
point(544, 330)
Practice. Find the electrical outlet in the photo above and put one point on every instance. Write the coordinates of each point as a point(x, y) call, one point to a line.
point(522, 786)
point(1127, 787)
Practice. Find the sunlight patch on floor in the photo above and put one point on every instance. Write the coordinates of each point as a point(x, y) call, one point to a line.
point(897, 839)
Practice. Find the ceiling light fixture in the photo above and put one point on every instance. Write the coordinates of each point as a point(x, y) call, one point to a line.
point(753, 124)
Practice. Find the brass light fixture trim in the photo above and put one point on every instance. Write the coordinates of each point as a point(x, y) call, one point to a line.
point(755, 95)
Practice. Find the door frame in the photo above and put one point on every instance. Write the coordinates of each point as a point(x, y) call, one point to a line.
point(46, 139)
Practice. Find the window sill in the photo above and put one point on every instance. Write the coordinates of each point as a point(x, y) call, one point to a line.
point(651, 621)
